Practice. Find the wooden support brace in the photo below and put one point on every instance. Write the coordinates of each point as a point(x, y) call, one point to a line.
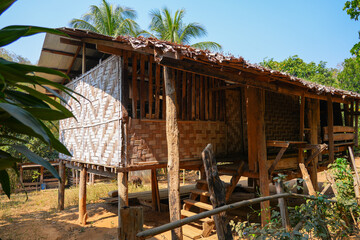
point(283, 207)
point(307, 179)
point(332, 183)
point(277, 159)
point(217, 192)
point(316, 153)
point(353, 164)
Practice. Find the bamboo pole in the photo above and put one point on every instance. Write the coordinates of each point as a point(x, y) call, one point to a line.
point(166, 227)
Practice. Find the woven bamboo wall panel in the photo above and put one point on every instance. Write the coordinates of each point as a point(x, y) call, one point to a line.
point(234, 121)
point(94, 137)
point(282, 116)
point(148, 139)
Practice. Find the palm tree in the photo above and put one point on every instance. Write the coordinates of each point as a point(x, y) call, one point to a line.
point(109, 20)
point(173, 29)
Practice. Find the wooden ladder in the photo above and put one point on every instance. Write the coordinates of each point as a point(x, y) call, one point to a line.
point(199, 201)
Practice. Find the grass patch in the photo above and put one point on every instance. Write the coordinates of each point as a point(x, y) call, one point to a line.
point(47, 199)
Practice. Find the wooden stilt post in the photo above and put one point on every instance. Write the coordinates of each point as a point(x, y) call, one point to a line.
point(330, 124)
point(255, 109)
point(123, 200)
point(123, 188)
point(61, 189)
point(42, 175)
point(133, 224)
point(283, 207)
point(21, 174)
point(155, 196)
point(172, 137)
point(302, 127)
point(82, 196)
point(356, 123)
point(314, 122)
point(76, 178)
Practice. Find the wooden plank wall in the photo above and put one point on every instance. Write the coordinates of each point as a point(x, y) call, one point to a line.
point(195, 100)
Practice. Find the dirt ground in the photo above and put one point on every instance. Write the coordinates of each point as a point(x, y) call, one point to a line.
point(45, 222)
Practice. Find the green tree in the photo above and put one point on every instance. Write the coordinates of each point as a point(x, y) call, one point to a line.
point(297, 67)
point(109, 20)
point(23, 109)
point(13, 57)
point(173, 29)
point(353, 10)
point(349, 76)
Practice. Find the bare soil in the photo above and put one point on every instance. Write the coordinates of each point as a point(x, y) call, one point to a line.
point(37, 219)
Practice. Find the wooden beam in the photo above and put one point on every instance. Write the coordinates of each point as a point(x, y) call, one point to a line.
point(302, 126)
point(76, 43)
point(314, 122)
point(82, 196)
point(330, 127)
point(83, 61)
point(151, 94)
point(157, 91)
point(134, 86)
point(61, 189)
point(68, 54)
point(142, 88)
point(115, 46)
point(255, 109)
point(244, 79)
point(172, 138)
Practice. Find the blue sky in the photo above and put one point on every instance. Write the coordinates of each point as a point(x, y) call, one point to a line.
point(315, 30)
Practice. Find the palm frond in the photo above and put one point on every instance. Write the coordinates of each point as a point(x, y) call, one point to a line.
point(192, 30)
point(106, 19)
point(213, 46)
point(82, 24)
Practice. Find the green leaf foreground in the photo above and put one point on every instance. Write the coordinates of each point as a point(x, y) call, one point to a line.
point(25, 111)
point(36, 159)
point(5, 182)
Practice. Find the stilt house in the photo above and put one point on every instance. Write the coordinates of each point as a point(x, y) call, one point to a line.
point(263, 120)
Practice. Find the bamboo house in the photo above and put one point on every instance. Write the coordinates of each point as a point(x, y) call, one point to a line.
point(260, 122)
